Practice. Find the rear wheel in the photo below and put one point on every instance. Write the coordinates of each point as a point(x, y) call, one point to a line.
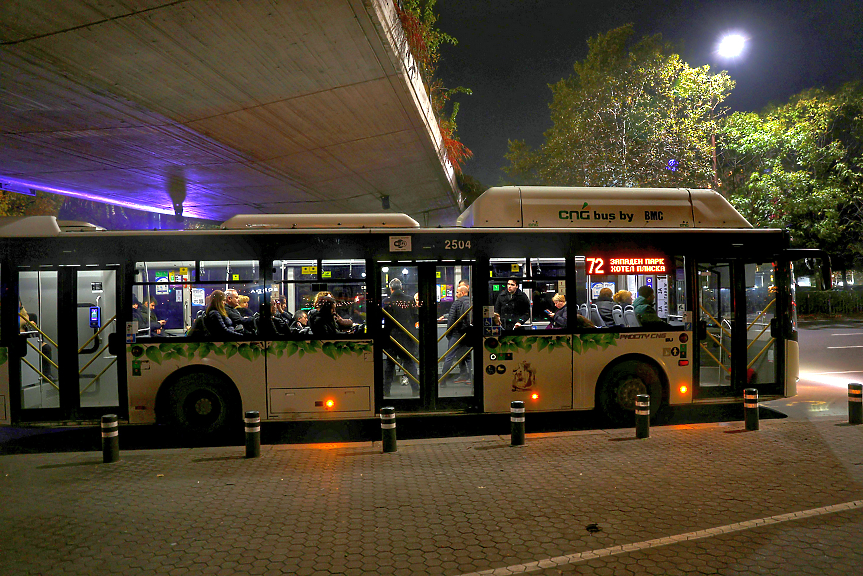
point(622, 383)
point(200, 403)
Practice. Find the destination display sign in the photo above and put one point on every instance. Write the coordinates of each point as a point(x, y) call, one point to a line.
point(605, 265)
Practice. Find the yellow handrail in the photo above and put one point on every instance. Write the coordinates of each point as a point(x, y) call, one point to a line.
point(51, 382)
point(99, 375)
point(715, 360)
point(411, 376)
point(93, 337)
point(405, 330)
point(42, 354)
point(405, 350)
point(439, 360)
point(454, 324)
point(93, 359)
point(770, 343)
point(763, 330)
point(454, 364)
point(717, 322)
point(762, 313)
point(718, 343)
point(39, 330)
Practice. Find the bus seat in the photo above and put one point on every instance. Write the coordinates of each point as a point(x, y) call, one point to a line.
point(584, 311)
point(617, 314)
point(595, 317)
point(631, 318)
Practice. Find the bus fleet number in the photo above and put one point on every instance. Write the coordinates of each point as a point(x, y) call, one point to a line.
point(456, 244)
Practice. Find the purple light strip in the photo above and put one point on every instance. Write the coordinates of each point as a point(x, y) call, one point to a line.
point(95, 198)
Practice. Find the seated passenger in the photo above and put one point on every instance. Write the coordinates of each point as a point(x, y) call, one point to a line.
point(623, 297)
point(300, 323)
point(149, 313)
point(216, 318)
point(243, 325)
point(605, 303)
point(277, 320)
point(644, 310)
point(243, 306)
point(558, 316)
point(324, 321)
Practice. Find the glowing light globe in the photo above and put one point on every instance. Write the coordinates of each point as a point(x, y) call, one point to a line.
point(731, 46)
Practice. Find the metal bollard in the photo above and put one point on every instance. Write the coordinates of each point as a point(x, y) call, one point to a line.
point(388, 429)
point(516, 419)
point(750, 408)
point(252, 422)
point(855, 403)
point(642, 416)
point(110, 438)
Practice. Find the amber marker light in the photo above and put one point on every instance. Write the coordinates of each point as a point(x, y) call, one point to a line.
point(534, 396)
point(684, 389)
point(329, 404)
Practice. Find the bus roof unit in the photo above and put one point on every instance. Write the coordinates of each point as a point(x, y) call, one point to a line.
point(28, 226)
point(318, 221)
point(576, 208)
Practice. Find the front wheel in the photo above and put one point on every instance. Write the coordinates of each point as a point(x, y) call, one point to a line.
point(622, 383)
point(200, 404)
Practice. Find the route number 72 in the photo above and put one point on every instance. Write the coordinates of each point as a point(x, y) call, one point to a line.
point(595, 265)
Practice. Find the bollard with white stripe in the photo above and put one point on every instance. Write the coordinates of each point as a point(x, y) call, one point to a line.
point(516, 419)
point(855, 403)
point(110, 438)
point(642, 416)
point(252, 422)
point(388, 429)
point(750, 408)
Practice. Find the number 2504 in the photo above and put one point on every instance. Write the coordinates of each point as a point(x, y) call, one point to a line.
point(456, 244)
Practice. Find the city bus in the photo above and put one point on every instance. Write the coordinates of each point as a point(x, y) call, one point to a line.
point(96, 321)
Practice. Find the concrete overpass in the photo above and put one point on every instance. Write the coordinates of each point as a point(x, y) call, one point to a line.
point(244, 106)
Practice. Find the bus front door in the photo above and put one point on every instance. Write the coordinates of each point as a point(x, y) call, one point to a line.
point(426, 356)
point(64, 367)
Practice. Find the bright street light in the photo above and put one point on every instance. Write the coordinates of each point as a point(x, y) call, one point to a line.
point(731, 46)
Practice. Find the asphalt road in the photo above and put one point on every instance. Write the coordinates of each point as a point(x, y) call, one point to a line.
point(831, 356)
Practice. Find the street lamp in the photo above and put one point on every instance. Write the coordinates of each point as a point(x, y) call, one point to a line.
point(731, 45)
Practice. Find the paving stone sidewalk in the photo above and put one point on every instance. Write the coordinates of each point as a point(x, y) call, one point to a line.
point(701, 499)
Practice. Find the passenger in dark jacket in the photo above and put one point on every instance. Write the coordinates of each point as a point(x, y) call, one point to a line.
point(644, 310)
point(324, 321)
point(512, 305)
point(241, 324)
point(558, 317)
point(605, 304)
point(216, 319)
point(457, 327)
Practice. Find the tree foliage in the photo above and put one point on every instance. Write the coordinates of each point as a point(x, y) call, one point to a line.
point(419, 20)
point(800, 166)
point(628, 109)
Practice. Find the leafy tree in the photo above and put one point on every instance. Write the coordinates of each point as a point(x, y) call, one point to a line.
point(40, 204)
point(470, 187)
point(419, 20)
point(800, 166)
point(628, 109)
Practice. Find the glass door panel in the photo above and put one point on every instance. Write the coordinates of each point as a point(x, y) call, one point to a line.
point(761, 303)
point(454, 312)
point(96, 319)
point(715, 325)
point(401, 337)
point(37, 311)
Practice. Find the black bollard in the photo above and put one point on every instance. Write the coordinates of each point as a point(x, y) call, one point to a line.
point(252, 421)
point(750, 408)
point(110, 438)
point(855, 403)
point(642, 416)
point(516, 419)
point(388, 429)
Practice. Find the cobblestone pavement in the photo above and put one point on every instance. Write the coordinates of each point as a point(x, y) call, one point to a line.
point(700, 499)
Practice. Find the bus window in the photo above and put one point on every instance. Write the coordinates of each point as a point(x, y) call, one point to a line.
point(509, 292)
point(229, 271)
point(549, 278)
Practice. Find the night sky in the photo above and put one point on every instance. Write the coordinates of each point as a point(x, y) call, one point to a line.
point(509, 51)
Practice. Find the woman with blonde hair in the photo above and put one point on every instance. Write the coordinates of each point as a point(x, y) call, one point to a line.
point(216, 318)
point(623, 297)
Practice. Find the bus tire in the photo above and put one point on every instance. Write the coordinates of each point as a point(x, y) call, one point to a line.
point(200, 403)
point(619, 386)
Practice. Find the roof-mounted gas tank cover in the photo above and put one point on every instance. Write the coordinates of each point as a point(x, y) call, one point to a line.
point(318, 221)
point(586, 208)
point(28, 226)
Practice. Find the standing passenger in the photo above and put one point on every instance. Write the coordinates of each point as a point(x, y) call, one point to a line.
point(458, 327)
point(513, 306)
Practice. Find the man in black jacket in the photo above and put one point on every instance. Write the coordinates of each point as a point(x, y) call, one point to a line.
point(400, 308)
point(458, 326)
point(242, 325)
point(512, 305)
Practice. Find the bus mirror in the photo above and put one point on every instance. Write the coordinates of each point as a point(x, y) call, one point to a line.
point(826, 279)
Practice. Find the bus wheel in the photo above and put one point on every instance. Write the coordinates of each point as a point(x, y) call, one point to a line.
point(199, 403)
point(622, 383)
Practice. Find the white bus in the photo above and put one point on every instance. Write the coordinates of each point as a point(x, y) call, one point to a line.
point(74, 345)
